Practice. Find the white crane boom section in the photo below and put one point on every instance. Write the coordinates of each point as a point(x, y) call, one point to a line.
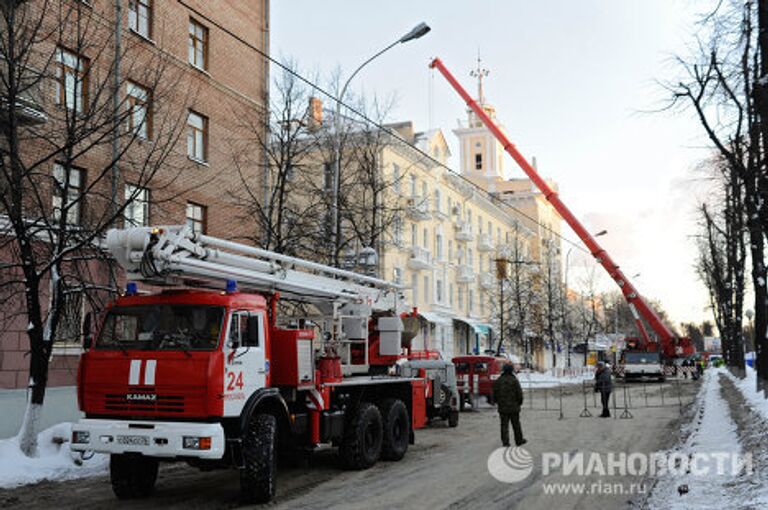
point(173, 254)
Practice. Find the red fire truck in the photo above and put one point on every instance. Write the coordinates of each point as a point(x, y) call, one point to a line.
point(205, 368)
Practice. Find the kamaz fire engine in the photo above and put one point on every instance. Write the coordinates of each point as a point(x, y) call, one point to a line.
point(204, 369)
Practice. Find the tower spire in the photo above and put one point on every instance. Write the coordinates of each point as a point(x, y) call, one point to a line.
point(479, 73)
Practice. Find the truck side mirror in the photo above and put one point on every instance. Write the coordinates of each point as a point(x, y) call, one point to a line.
point(87, 323)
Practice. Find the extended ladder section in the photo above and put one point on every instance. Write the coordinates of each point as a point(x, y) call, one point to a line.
point(174, 255)
point(670, 344)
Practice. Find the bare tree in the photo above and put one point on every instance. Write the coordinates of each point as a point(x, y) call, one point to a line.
point(58, 82)
point(285, 204)
point(726, 85)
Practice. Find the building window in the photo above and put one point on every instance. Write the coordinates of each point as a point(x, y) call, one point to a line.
point(70, 320)
point(198, 45)
point(197, 136)
point(450, 251)
point(426, 289)
point(414, 241)
point(415, 288)
point(140, 17)
point(438, 202)
point(413, 185)
point(450, 294)
point(439, 246)
point(425, 236)
point(397, 275)
point(461, 298)
point(328, 176)
point(71, 80)
point(139, 111)
point(398, 230)
point(439, 291)
point(470, 301)
point(137, 206)
point(396, 178)
point(478, 161)
point(197, 217)
point(66, 193)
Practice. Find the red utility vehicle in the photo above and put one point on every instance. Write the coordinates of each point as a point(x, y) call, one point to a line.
point(219, 378)
point(475, 375)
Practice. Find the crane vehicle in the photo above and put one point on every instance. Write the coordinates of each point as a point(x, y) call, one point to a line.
point(671, 346)
point(203, 368)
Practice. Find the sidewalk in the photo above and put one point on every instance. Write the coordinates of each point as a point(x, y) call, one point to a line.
point(60, 405)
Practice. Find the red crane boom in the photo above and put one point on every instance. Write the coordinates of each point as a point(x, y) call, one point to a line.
point(671, 345)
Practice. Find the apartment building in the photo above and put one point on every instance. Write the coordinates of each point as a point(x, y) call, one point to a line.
point(192, 78)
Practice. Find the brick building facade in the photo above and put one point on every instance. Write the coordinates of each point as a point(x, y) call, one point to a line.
point(194, 81)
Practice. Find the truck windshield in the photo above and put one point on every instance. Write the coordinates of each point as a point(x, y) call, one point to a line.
point(641, 358)
point(162, 327)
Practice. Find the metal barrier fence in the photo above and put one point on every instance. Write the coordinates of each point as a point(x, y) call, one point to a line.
point(547, 396)
point(622, 397)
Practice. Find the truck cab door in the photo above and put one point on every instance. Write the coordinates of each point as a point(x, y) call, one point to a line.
point(245, 364)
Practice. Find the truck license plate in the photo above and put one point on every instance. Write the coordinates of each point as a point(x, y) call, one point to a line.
point(133, 440)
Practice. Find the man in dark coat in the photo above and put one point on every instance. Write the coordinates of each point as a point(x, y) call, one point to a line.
point(604, 385)
point(509, 398)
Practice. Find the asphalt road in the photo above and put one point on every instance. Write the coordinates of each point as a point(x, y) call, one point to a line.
point(446, 468)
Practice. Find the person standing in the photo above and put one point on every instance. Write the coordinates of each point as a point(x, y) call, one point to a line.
point(509, 399)
point(604, 385)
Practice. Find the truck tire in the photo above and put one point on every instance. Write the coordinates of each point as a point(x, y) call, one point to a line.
point(363, 435)
point(132, 476)
point(397, 428)
point(453, 418)
point(257, 478)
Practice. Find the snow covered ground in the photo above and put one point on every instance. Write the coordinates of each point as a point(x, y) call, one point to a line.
point(55, 461)
point(705, 484)
point(748, 388)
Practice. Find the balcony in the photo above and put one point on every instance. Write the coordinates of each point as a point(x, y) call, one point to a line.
point(485, 242)
point(463, 231)
point(465, 274)
point(487, 280)
point(27, 112)
point(420, 258)
point(418, 208)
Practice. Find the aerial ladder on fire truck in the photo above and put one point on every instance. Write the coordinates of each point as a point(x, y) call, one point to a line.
point(346, 300)
point(671, 345)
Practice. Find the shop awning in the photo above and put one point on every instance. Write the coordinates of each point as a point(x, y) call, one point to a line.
point(479, 327)
point(435, 318)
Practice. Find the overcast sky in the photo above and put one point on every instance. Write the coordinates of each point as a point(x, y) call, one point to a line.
point(572, 81)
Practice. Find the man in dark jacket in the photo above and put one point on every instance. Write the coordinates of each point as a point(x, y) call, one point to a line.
point(509, 398)
point(604, 385)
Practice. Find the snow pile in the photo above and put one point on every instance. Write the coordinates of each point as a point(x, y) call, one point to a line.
point(547, 380)
point(748, 388)
point(54, 461)
point(714, 433)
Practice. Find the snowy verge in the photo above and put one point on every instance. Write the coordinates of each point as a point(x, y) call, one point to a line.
point(713, 433)
point(748, 388)
point(54, 461)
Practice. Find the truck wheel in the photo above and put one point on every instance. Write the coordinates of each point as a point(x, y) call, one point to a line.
point(257, 478)
point(397, 427)
point(453, 419)
point(132, 476)
point(361, 446)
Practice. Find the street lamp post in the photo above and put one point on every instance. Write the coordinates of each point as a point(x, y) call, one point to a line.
point(564, 302)
point(592, 320)
point(418, 31)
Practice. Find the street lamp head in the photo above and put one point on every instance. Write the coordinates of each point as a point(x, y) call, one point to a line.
point(417, 31)
point(601, 233)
